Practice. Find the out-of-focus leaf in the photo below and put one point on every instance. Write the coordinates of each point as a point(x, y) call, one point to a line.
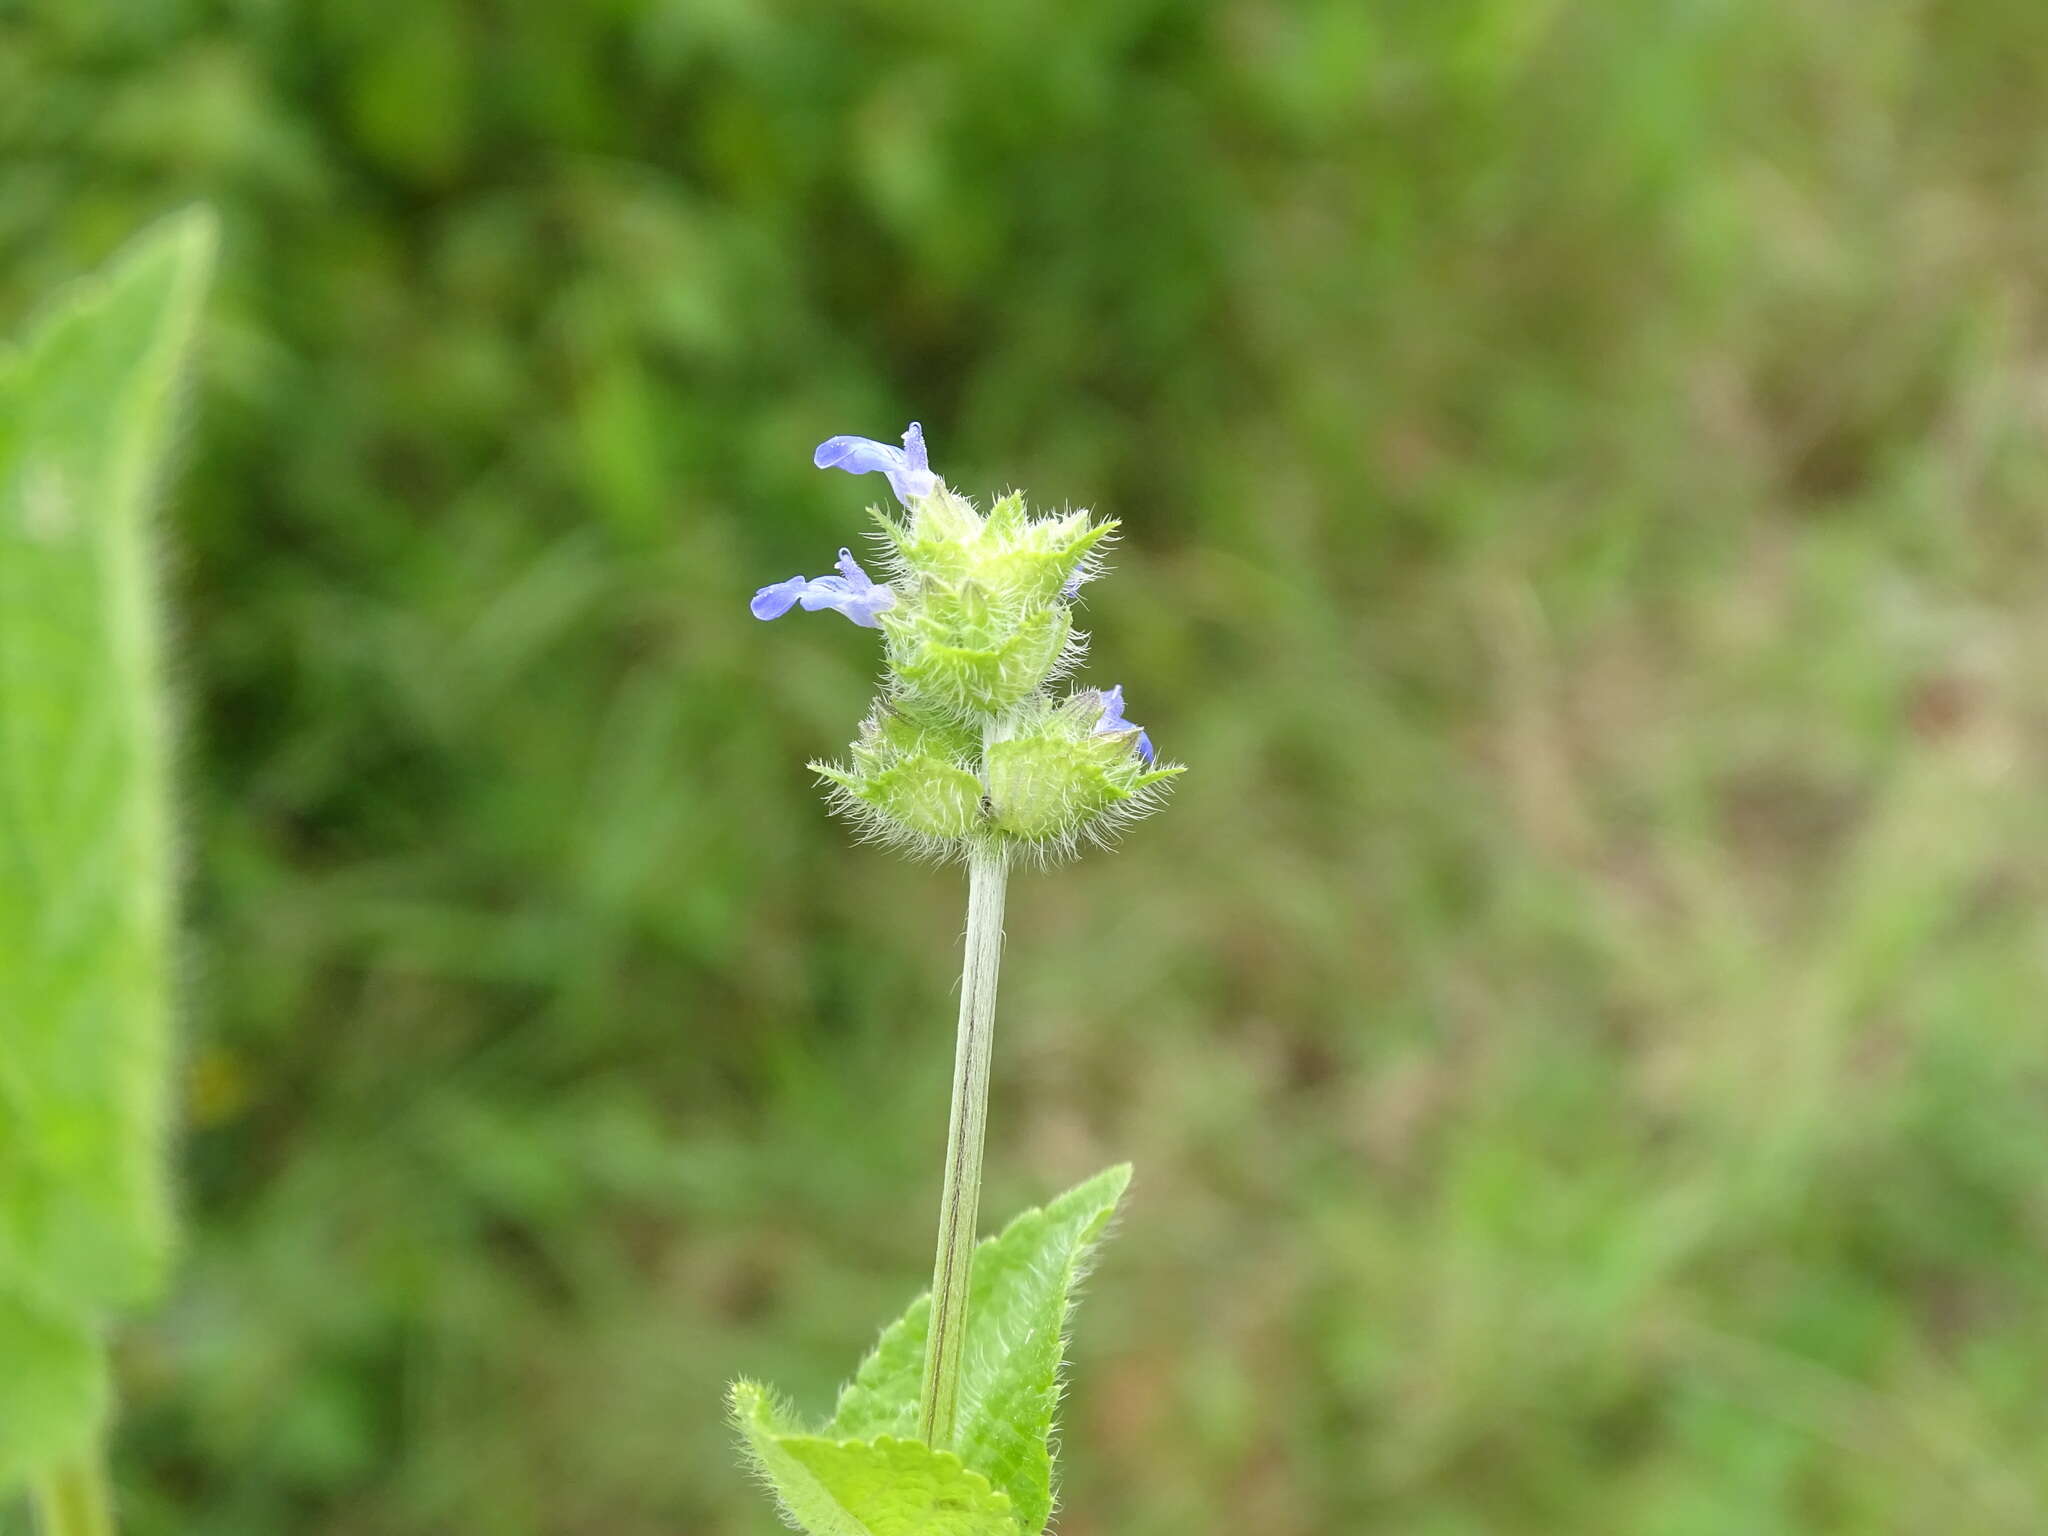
point(85, 847)
point(53, 1389)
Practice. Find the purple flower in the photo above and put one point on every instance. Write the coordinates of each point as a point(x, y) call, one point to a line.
point(851, 592)
point(909, 472)
point(1113, 720)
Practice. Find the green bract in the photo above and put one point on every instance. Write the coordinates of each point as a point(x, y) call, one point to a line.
point(1057, 778)
point(967, 749)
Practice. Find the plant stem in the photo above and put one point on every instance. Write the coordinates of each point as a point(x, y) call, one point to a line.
point(72, 1500)
point(987, 875)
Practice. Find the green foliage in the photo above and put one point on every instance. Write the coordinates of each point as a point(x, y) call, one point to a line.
point(880, 1487)
point(1021, 1289)
point(53, 1393)
point(1023, 1285)
point(85, 846)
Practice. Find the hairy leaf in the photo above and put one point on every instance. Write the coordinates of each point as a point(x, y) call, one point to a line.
point(880, 1487)
point(85, 848)
point(1022, 1286)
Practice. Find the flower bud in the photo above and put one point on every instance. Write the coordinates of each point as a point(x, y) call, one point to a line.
point(982, 621)
point(1059, 777)
point(951, 653)
point(909, 783)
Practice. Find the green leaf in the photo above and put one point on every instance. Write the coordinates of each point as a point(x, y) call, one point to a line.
point(1016, 1326)
point(85, 847)
point(53, 1389)
point(882, 1398)
point(879, 1487)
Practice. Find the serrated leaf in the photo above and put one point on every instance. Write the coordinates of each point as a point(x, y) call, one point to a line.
point(85, 848)
point(1021, 1289)
point(879, 1487)
point(882, 1398)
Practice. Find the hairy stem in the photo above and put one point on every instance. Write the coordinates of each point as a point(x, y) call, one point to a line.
point(938, 1409)
point(72, 1499)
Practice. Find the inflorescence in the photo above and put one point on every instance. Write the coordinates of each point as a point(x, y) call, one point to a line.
point(967, 750)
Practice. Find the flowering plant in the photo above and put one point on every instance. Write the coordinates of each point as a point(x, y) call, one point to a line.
point(967, 755)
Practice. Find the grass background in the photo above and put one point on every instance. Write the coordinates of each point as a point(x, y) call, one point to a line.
point(1578, 1026)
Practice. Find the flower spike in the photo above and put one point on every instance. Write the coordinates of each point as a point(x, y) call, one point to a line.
point(973, 751)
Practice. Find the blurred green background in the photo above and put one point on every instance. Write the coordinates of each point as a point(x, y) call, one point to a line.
point(1579, 1025)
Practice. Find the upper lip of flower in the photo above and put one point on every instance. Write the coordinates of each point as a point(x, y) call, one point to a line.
point(909, 471)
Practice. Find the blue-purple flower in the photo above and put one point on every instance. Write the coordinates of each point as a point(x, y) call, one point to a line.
point(852, 592)
point(1113, 720)
point(910, 474)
